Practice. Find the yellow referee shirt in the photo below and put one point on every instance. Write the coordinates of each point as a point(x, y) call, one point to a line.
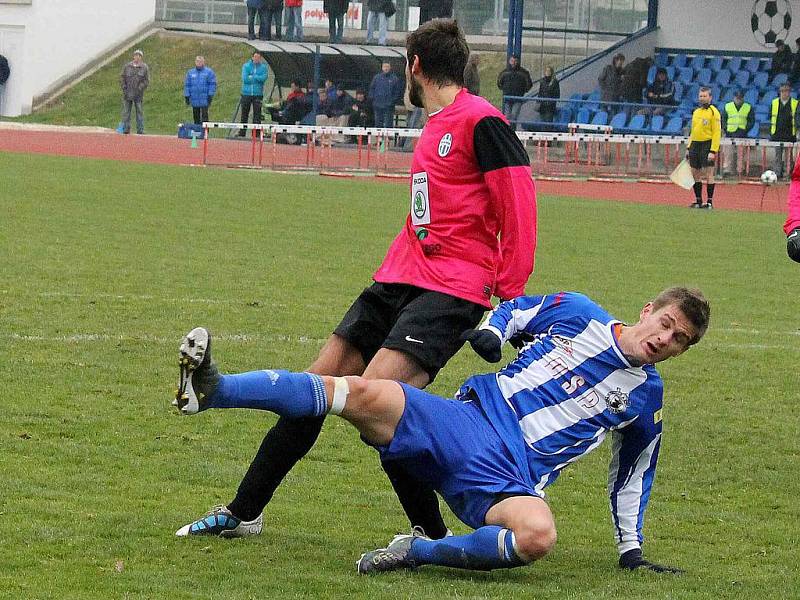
point(706, 126)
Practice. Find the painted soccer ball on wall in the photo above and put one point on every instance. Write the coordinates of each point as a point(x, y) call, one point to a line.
point(771, 21)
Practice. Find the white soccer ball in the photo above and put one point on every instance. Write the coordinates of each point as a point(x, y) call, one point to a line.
point(768, 177)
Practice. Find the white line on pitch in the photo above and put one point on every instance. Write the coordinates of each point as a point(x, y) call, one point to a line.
point(105, 337)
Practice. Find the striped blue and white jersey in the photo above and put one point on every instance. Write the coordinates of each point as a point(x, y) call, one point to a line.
point(569, 386)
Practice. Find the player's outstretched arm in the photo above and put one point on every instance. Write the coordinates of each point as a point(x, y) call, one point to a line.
point(485, 342)
point(633, 560)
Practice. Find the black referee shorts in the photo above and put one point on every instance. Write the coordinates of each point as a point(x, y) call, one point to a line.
point(425, 324)
point(698, 155)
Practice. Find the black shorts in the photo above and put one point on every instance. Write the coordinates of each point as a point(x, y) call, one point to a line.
point(425, 324)
point(698, 155)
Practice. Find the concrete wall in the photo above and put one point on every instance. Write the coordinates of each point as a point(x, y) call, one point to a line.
point(716, 25)
point(49, 41)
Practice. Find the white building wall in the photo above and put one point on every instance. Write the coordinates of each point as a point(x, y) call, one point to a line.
point(716, 25)
point(48, 40)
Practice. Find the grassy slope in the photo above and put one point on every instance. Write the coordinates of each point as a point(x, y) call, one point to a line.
point(96, 100)
point(103, 276)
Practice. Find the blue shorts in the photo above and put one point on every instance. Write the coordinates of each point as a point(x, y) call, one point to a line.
point(451, 445)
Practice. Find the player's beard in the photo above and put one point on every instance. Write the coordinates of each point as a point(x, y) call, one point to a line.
point(415, 93)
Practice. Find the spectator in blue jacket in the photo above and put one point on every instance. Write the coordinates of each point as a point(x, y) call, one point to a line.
point(254, 75)
point(385, 91)
point(199, 89)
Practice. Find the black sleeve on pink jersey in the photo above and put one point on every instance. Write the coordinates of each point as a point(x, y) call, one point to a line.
point(497, 146)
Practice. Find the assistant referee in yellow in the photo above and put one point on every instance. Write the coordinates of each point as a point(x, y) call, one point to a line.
point(703, 148)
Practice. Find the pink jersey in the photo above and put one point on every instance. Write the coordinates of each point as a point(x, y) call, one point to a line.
point(471, 231)
point(793, 216)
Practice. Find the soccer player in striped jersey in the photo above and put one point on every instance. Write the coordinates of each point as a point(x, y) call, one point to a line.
point(492, 450)
point(792, 225)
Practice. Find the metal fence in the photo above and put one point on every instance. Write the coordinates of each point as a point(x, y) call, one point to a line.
point(353, 150)
point(550, 19)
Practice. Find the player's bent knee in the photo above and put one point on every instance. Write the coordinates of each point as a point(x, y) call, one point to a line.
point(533, 543)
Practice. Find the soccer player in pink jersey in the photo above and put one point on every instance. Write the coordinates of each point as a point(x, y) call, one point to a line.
point(470, 235)
point(792, 226)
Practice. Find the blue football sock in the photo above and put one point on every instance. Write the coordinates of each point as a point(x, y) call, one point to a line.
point(287, 394)
point(487, 548)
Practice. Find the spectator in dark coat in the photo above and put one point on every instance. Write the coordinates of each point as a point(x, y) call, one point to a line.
point(273, 11)
point(294, 108)
point(781, 60)
point(360, 111)
point(256, 7)
point(661, 91)
point(385, 92)
point(548, 88)
point(513, 81)
point(5, 71)
point(134, 81)
point(377, 19)
point(634, 79)
point(335, 9)
point(610, 79)
point(794, 77)
point(435, 9)
point(472, 79)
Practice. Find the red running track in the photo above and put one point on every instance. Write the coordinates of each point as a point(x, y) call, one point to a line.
point(170, 150)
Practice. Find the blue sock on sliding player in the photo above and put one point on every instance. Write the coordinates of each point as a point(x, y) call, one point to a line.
point(287, 394)
point(490, 547)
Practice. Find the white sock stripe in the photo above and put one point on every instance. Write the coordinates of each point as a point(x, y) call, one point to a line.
point(516, 550)
point(340, 392)
point(501, 544)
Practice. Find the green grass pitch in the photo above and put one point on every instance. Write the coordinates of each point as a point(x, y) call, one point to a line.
point(106, 265)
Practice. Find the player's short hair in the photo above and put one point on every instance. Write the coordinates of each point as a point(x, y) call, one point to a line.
point(692, 303)
point(705, 88)
point(786, 86)
point(442, 50)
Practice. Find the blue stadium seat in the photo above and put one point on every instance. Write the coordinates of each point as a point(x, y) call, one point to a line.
point(723, 77)
point(619, 120)
point(661, 59)
point(698, 62)
point(637, 123)
point(593, 101)
point(678, 61)
point(575, 100)
point(678, 90)
point(755, 130)
point(752, 64)
point(779, 79)
point(657, 124)
point(767, 94)
point(742, 78)
point(751, 96)
point(651, 74)
point(564, 115)
point(671, 72)
point(703, 76)
point(674, 126)
point(685, 74)
point(715, 63)
point(734, 64)
point(761, 79)
point(765, 64)
point(600, 118)
point(583, 116)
